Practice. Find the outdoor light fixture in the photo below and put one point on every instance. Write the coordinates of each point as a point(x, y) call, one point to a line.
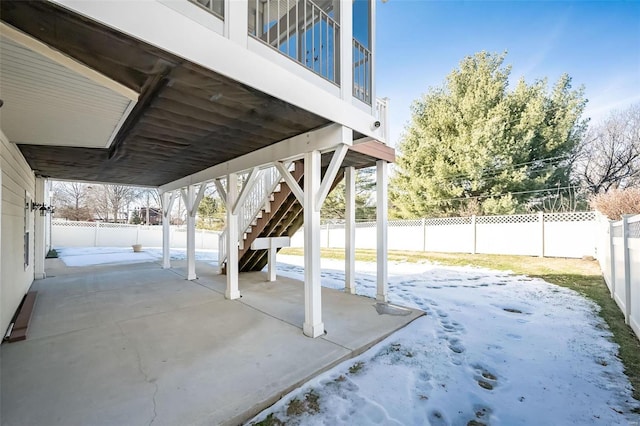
point(43, 208)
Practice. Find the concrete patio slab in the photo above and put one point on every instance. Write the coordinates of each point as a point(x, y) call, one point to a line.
point(136, 344)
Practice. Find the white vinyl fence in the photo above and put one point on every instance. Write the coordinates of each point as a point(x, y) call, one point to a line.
point(619, 257)
point(550, 234)
point(96, 234)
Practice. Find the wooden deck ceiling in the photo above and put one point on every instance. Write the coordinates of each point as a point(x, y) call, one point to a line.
point(188, 118)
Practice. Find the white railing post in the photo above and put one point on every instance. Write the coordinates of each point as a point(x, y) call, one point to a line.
point(95, 242)
point(612, 261)
point(424, 233)
point(627, 268)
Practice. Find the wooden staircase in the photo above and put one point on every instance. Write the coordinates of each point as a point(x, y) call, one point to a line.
point(284, 218)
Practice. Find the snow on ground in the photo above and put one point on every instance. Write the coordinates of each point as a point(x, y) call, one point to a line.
point(493, 349)
point(86, 256)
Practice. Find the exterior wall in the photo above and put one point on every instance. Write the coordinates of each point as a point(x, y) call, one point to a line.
point(15, 277)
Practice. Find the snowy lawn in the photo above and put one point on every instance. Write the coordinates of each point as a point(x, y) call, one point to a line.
point(493, 349)
point(86, 256)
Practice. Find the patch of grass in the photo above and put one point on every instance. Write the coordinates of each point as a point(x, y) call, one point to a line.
point(270, 420)
point(356, 368)
point(583, 276)
point(310, 405)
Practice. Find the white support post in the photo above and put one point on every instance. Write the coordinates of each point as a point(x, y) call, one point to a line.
point(236, 21)
point(423, 221)
point(189, 197)
point(346, 49)
point(313, 326)
point(168, 198)
point(627, 268)
point(271, 244)
point(232, 291)
point(381, 223)
point(271, 253)
point(350, 230)
point(39, 232)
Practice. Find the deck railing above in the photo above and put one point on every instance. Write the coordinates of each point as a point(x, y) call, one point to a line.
point(361, 72)
point(259, 192)
point(214, 6)
point(301, 30)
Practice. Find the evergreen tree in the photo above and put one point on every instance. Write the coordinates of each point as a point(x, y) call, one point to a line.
point(334, 205)
point(475, 146)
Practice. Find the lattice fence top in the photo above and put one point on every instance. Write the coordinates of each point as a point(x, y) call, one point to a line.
point(617, 230)
point(570, 217)
point(448, 221)
point(365, 225)
point(634, 230)
point(514, 218)
point(73, 224)
point(409, 222)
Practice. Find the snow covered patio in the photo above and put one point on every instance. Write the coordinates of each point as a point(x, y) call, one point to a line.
point(133, 344)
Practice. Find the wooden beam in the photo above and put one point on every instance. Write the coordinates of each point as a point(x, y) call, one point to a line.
point(376, 150)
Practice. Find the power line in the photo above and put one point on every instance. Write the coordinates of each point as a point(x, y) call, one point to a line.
point(475, 197)
point(498, 169)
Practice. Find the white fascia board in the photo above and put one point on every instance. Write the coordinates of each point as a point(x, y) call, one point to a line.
point(324, 139)
point(157, 24)
point(67, 62)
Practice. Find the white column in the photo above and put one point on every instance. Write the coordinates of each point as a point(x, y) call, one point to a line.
point(350, 230)
point(191, 232)
point(236, 22)
point(232, 291)
point(167, 203)
point(346, 49)
point(39, 232)
point(381, 224)
point(374, 56)
point(313, 326)
point(271, 253)
point(47, 228)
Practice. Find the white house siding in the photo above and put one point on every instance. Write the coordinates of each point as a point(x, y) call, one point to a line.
point(15, 278)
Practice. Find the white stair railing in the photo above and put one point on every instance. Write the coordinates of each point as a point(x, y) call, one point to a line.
point(266, 183)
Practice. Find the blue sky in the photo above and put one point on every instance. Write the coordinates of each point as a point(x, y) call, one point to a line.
point(597, 43)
